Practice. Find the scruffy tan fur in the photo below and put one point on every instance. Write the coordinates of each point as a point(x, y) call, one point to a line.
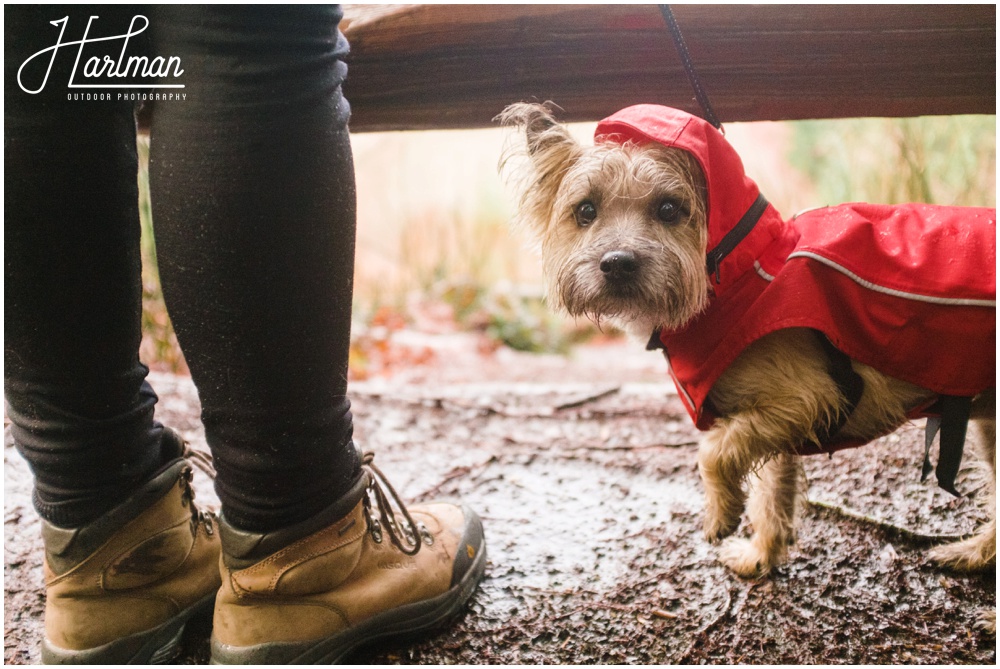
point(772, 398)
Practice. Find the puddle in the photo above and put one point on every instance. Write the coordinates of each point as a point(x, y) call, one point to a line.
point(573, 526)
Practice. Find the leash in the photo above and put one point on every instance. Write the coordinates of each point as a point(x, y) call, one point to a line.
point(682, 50)
point(752, 215)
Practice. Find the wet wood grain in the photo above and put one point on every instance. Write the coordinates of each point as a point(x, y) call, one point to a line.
point(453, 66)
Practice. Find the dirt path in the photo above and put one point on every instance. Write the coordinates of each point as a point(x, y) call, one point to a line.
point(584, 473)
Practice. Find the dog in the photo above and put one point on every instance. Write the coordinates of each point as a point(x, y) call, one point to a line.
point(629, 233)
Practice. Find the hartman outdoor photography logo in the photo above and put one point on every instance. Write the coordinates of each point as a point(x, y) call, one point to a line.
point(105, 67)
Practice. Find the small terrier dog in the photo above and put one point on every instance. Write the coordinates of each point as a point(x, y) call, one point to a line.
point(625, 227)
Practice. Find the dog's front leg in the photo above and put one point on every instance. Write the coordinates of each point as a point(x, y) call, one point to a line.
point(728, 453)
point(769, 400)
point(772, 510)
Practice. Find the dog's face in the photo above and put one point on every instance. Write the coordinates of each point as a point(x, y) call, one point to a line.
point(622, 228)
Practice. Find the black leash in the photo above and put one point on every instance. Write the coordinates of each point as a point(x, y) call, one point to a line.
point(682, 50)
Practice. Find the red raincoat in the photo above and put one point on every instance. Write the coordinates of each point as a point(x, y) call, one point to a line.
point(907, 289)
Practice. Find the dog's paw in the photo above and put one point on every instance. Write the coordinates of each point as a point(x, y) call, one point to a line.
point(722, 517)
point(987, 621)
point(745, 558)
point(969, 555)
point(717, 526)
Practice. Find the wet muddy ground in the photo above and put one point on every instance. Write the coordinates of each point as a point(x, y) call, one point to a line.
point(585, 476)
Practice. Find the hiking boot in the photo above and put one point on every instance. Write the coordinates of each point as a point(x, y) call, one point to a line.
point(121, 589)
point(355, 573)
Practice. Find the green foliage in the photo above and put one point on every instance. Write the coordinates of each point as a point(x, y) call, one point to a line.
point(949, 160)
point(513, 317)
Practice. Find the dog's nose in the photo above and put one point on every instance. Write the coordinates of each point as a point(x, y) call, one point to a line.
point(619, 265)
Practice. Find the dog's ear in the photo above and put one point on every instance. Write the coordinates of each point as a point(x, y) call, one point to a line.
point(536, 167)
point(547, 141)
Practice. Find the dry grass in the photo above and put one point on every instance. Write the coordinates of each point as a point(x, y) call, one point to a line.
point(431, 207)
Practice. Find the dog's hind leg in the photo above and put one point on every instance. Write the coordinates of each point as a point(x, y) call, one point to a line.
point(772, 511)
point(973, 554)
point(980, 550)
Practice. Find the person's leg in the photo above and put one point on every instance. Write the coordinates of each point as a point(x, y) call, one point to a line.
point(253, 201)
point(128, 558)
point(75, 389)
point(253, 206)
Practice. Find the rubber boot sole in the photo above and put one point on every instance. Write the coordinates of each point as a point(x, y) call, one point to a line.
point(159, 645)
point(397, 623)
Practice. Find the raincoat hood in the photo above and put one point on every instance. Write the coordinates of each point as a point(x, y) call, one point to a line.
point(731, 193)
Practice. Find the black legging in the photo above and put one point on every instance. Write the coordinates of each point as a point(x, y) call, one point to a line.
point(253, 200)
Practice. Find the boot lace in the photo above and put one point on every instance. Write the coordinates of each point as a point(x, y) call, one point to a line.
point(203, 461)
point(403, 535)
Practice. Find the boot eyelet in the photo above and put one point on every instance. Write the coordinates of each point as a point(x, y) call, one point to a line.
point(187, 490)
point(425, 534)
point(206, 519)
point(408, 534)
point(376, 531)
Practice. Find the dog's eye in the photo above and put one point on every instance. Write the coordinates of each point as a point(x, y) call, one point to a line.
point(585, 213)
point(668, 211)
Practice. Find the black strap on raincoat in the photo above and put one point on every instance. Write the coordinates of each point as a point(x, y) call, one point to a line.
point(952, 421)
point(736, 235)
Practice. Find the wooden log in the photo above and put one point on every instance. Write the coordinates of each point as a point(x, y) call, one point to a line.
point(455, 66)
